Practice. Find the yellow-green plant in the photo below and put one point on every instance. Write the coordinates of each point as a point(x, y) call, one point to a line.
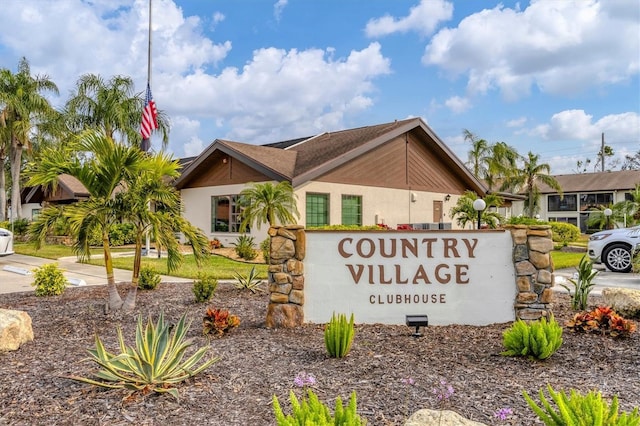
point(204, 288)
point(249, 282)
point(583, 285)
point(149, 278)
point(155, 363)
point(338, 335)
point(576, 409)
point(49, 280)
point(312, 411)
point(538, 339)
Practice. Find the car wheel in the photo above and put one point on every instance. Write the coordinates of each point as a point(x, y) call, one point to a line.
point(617, 258)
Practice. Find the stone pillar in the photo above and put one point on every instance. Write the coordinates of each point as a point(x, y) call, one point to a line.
point(286, 276)
point(532, 246)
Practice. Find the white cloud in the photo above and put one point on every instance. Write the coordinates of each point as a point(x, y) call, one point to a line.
point(423, 19)
point(578, 125)
point(517, 122)
point(561, 47)
point(457, 104)
point(278, 8)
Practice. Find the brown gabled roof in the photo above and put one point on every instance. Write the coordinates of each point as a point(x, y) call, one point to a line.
point(623, 180)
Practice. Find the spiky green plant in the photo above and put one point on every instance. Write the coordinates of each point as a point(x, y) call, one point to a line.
point(576, 409)
point(583, 285)
point(338, 335)
point(538, 339)
point(155, 363)
point(249, 282)
point(313, 412)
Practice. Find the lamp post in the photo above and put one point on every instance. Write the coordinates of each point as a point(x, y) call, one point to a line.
point(479, 205)
point(607, 214)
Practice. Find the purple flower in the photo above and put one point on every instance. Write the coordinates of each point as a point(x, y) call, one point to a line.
point(304, 379)
point(503, 413)
point(443, 390)
point(409, 381)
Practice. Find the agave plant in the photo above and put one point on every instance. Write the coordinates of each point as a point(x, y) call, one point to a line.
point(154, 364)
point(250, 282)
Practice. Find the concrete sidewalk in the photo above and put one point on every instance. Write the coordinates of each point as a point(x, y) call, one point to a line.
point(16, 273)
point(604, 279)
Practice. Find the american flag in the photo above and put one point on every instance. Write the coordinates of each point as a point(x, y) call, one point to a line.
point(149, 116)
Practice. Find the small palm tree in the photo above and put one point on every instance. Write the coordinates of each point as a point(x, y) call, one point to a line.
point(464, 213)
point(268, 203)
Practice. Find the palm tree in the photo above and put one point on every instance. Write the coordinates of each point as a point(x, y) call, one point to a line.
point(111, 107)
point(102, 174)
point(22, 105)
point(464, 212)
point(151, 186)
point(501, 163)
point(478, 154)
point(528, 179)
point(268, 203)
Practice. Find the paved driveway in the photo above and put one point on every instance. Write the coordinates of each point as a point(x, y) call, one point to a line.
point(16, 273)
point(605, 278)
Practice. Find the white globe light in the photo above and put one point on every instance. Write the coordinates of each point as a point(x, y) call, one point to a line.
point(479, 204)
point(608, 212)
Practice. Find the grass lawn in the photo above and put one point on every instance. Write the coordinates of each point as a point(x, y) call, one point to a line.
point(217, 266)
point(563, 259)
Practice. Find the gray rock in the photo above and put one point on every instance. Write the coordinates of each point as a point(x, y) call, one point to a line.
point(624, 301)
point(427, 417)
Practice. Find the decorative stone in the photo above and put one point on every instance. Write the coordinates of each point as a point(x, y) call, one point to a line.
point(519, 236)
point(531, 314)
point(525, 268)
point(298, 282)
point(286, 234)
point(297, 297)
point(546, 296)
point(538, 288)
point(276, 268)
point(284, 315)
point(539, 233)
point(540, 244)
point(624, 301)
point(301, 244)
point(273, 231)
point(281, 278)
point(527, 297)
point(426, 417)
point(539, 260)
point(280, 288)
point(545, 277)
point(520, 253)
point(524, 283)
point(15, 329)
point(281, 249)
point(278, 298)
point(294, 267)
point(294, 227)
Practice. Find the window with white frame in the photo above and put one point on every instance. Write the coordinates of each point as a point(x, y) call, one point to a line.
point(225, 213)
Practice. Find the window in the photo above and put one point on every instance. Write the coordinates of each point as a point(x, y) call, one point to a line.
point(225, 214)
point(595, 201)
point(317, 206)
point(352, 210)
point(569, 203)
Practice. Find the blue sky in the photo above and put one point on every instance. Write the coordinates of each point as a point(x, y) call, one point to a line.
point(546, 76)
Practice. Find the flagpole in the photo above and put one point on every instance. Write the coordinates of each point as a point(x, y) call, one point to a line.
point(148, 239)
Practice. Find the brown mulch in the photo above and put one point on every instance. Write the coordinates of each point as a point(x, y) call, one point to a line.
point(257, 363)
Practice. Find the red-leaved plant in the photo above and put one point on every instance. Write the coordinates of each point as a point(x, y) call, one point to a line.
point(603, 320)
point(219, 321)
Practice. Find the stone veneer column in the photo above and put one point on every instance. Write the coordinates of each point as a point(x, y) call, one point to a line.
point(286, 276)
point(534, 270)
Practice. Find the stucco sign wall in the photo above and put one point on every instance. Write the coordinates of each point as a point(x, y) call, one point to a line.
point(454, 277)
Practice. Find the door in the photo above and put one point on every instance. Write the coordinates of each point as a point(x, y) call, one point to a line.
point(437, 211)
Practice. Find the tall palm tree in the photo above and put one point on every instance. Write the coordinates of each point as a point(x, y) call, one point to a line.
point(22, 104)
point(152, 187)
point(268, 203)
point(528, 179)
point(478, 154)
point(464, 213)
point(111, 107)
point(501, 163)
point(102, 174)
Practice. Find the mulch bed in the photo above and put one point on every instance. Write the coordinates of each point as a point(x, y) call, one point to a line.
point(257, 363)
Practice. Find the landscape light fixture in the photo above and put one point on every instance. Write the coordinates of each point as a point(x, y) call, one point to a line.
point(479, 205)
point(417, 321)
point(447, 197)
point(607, 214)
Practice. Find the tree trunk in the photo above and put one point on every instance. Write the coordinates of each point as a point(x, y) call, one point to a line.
point(16, 162)
point(130, 302)
point(115, 301)
point(3, 189)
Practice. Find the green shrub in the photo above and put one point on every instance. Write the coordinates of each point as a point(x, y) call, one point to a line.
point(523, 220)
point(338, 335)
point(154, 364)
point(119, 234)
point(249, 282)
point(348, 228)
point(149, 278)
point(583, 285)
point(265, 247)
point(204, 288)
point(539, 339)
point(244, 247)
point(577, 409)
point(564, 232)
point(49, 280)
point(313, 412)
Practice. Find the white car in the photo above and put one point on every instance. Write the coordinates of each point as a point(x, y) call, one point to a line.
point(6, 242)
point(615, 248)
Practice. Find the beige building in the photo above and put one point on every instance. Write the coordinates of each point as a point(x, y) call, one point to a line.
point(397, 173)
